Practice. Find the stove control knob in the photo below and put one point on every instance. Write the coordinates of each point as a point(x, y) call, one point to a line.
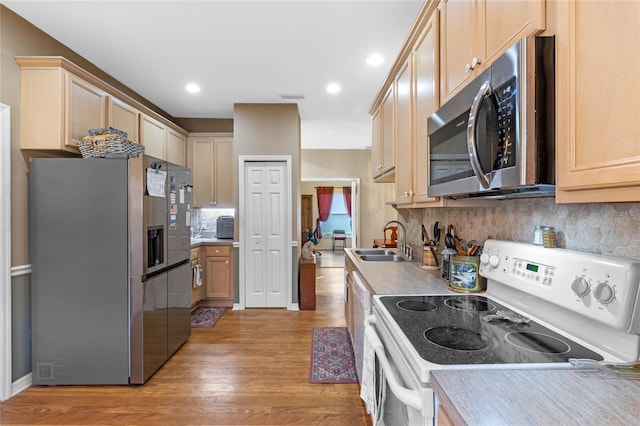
point(604, 293)
point(580, 286)
point(494, 261)
point(484, 258)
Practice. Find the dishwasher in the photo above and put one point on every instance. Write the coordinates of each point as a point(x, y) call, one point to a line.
point(361, 310)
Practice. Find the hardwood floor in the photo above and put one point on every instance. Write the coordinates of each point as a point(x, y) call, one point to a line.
point(251, 368)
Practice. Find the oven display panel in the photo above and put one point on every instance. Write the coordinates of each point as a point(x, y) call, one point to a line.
point(533, 272)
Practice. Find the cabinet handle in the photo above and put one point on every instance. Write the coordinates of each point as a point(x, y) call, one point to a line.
point(467, 67)
point(475, 62)
point(226, 261)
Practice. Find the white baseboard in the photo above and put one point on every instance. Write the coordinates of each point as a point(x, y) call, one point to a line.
point(21, 384)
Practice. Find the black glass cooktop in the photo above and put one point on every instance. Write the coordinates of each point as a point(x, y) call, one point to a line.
point(449, 329)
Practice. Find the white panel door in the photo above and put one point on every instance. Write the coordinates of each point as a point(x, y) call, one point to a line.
point(266, 222)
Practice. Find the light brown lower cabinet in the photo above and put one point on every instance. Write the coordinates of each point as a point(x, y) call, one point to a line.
point(218, 276)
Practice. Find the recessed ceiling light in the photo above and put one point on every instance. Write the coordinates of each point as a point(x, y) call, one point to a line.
point(192, 88)
point(333, 87)
point(375, 59)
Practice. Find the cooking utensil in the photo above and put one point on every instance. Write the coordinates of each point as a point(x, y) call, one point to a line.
point(448, 238)
point(458, 247)
point(436, 233)
point(425, 235)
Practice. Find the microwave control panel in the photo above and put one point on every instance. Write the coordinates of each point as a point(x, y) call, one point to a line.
point(507, 104)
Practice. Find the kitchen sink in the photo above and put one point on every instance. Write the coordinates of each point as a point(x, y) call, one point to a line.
point(383, 258)
point(375, 252)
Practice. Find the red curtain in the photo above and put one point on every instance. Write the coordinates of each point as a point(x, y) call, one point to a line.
point(346, 191)
point(325, 197)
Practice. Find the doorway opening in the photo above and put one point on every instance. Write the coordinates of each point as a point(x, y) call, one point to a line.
point(341, 219)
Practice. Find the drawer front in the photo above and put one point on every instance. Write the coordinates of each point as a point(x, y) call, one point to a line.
point(195, 254)
point(218, 251)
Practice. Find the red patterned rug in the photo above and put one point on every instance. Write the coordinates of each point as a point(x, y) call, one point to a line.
point(332, 359)
point(204, 317)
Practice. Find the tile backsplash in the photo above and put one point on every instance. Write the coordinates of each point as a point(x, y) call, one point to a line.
point(204, 221)
point(608, 228)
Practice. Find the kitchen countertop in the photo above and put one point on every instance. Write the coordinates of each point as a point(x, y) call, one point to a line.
point(398, 277)
point(197, 242)
point(537, 397)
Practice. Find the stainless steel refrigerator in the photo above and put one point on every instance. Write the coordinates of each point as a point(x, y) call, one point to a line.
point(110, 284)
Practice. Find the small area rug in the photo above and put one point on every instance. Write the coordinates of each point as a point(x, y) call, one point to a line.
point(204, 317)
point(332, 359)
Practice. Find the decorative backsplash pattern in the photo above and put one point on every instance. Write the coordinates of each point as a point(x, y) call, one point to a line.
point(204, 221)
point(609, 228)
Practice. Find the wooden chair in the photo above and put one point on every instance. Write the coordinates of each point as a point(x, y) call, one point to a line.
point(393, 233)
point(338, 235)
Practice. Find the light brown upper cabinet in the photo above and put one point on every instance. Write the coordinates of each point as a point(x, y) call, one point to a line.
point(57, 107)
point(61, 102)
point(211, 162)
point(153, 135)
point(474, 32)
point(376, 142)
point(383, 140)
point(162, 142)
point(414, 106)
point(404, 134)
point(598, 102)
point(176, 147)
point(122, 116)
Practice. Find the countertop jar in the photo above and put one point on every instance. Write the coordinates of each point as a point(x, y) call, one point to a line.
point(549, 237)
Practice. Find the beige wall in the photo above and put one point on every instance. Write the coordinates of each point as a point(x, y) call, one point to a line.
point(270, 129)
point(327, 165)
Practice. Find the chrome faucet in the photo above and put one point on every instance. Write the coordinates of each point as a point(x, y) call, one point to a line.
point(403, 244)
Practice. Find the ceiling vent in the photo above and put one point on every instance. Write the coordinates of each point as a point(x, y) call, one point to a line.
point(291, 96)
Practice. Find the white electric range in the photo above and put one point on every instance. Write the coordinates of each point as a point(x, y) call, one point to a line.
point(542, 308)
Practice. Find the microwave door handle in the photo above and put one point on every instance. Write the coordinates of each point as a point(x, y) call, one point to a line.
point(485, 90)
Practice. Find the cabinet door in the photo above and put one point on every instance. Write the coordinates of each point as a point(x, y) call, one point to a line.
point(202, 160)
point(598, 92)
point(475, 32)
point(388, 141)
point(218, 277)
point(153, 135)
point(508, 21)
point(223, 195)
point(404, 136)
point(123, 117)
point(426, 102)
point(458, 29)
point(376, 143)
point(86, 106)
point(176, 148)
point(348, 307)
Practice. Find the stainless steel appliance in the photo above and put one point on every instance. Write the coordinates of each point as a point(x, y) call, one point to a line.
point(224, 227)
point(496, 137)
point(110, 283)
point(543, 306)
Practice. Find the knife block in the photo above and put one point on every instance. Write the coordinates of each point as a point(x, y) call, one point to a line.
point(428, 258)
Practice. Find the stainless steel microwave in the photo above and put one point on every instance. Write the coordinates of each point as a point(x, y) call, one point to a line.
point(496, 137)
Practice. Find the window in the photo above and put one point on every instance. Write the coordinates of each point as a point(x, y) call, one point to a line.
point(339, 218)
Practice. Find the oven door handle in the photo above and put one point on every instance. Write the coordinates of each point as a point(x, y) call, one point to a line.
point(483, 92)
point(408, 396)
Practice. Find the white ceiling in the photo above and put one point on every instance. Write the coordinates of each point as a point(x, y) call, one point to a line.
point(240, 52)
